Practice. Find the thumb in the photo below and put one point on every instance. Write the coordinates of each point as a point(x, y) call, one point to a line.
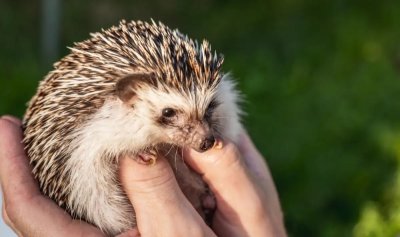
point(157, 199)
point(145, 184)
point(217, 166)
point(224, 170)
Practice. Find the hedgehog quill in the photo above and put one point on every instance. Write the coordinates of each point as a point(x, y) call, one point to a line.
point(137, 88)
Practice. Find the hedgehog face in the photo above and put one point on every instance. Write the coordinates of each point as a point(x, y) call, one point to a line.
point(173, 116)
point(189, 127)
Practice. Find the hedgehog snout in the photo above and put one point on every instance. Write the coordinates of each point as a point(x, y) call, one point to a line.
point(196, 136)
point(202, 142)
point(206, 144)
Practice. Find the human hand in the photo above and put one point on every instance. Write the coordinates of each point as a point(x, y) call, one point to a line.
point(25, 209)
point(247, 201)
point(31, 214)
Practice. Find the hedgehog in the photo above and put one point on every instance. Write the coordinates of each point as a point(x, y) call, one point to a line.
point(133, 89)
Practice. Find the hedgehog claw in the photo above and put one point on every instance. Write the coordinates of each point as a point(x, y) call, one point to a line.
point(218, 144)
point(147, 158)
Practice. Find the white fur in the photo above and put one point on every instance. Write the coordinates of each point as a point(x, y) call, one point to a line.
point(228, 112)
point(116, 128)
point(94, 191)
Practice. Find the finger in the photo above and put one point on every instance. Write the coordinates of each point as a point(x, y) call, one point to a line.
point(216, 164)
point(157, 199)
point(15, 173)
point(41, 217)
point(224, 160)
point(143, 180)
point(12, 119)
point(252, 157)
point(229, 179)
point(257, 164)
point(149, 185)
point(240, 197)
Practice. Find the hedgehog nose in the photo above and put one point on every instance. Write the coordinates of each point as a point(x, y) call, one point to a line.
point(206, 144)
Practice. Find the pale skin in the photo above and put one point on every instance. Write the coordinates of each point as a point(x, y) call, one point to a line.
point(247, 201)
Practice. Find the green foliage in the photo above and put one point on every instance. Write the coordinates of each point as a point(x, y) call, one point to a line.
point(383, 219)
point(321, 82)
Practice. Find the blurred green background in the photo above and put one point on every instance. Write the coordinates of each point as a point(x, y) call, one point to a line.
point(322, 87)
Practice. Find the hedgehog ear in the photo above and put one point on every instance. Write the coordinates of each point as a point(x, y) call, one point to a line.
point(127, 86)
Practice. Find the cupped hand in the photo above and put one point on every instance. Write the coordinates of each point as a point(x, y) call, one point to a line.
point(247, 202)
point(25, 209)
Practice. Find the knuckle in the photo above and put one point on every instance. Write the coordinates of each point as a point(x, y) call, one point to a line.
point(9, 211)
point(5, 216)
point(12, 208)
point(8, 214)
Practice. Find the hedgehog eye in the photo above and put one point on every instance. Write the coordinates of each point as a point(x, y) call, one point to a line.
point(168, 112)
